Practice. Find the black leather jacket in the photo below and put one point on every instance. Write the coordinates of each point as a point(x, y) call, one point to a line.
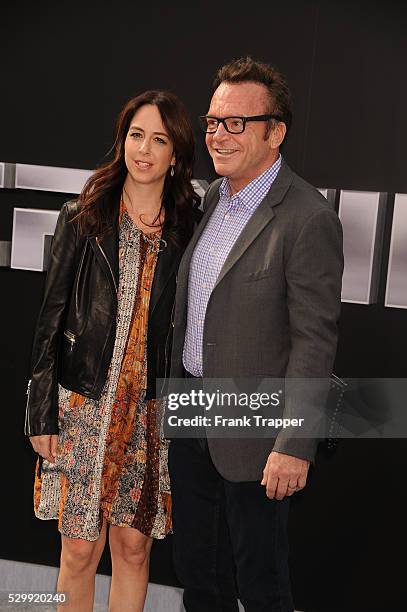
point(74, 339)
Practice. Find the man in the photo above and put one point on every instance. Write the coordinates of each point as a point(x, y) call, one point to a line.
point(258, 294)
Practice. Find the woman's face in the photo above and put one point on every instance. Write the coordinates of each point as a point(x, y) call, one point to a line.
point(148, 150)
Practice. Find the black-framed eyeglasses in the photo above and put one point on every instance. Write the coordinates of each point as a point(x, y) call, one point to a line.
point(233, 125)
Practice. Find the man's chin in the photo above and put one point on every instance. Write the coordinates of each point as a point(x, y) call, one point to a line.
point(222, 168)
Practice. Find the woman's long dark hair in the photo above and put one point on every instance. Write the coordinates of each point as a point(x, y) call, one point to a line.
point(97, 213)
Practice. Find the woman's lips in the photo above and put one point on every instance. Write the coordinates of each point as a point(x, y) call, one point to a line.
point(143, 165)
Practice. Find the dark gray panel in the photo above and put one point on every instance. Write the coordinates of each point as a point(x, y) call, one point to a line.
point(362, 217)
point(7, 175)
point(5, 253)
point(396, 289)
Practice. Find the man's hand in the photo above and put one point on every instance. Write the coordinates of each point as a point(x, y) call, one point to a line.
point(284, 475)
point(46, 446)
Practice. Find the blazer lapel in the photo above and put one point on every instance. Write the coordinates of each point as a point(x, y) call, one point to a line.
point(260, 218)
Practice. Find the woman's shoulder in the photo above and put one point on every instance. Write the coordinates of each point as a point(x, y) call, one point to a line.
point(68, 218)
point(70, 209)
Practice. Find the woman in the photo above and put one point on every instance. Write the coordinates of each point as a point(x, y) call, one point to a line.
point(102, 340)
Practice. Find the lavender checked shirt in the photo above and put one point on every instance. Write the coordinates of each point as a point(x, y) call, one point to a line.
point(220, 234)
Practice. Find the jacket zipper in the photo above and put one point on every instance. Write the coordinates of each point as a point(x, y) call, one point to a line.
point(27, 420)
point(107, 261)
point(71, 338)
point(27, 428)
point(79, 273)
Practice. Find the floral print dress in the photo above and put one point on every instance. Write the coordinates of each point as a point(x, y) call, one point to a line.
point(111, 459)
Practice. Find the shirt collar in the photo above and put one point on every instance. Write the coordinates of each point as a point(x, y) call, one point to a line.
point(254, 192)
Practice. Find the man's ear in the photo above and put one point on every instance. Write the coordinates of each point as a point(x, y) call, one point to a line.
point(277, 135)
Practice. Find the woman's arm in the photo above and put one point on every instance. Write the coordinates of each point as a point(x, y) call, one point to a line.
point(42, 401)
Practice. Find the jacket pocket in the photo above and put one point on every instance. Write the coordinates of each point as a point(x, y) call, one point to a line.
point(258, 275)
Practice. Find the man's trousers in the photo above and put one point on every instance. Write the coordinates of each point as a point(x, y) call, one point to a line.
point(230, 540)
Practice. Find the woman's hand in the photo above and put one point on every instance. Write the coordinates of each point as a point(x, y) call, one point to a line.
point(46, 446)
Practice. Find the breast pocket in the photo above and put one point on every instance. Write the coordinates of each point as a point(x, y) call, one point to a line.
point(265, 273)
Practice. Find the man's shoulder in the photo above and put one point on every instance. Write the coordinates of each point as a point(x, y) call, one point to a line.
point(302, 198)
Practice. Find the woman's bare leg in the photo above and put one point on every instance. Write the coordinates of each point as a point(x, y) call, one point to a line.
point(79, 562)
point(130, 550)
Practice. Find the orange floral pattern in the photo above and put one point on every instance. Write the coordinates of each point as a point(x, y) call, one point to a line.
point(111, 460)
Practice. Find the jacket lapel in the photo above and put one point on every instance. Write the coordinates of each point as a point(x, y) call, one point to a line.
point(260, 218)
point(167, 262)
point(106, 247)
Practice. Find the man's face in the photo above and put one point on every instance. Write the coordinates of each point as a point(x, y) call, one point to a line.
point(241, 157)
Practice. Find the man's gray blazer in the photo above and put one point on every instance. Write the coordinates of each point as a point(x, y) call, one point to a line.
point(273, 311)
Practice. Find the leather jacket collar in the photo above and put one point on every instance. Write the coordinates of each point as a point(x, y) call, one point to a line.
point(106, 250)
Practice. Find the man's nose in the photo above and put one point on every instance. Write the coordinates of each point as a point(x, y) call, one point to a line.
point(221, 131)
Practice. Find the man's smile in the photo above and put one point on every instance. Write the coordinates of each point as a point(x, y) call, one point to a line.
point(225, 151)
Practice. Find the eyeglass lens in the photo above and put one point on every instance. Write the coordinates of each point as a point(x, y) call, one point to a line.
point(235, 125)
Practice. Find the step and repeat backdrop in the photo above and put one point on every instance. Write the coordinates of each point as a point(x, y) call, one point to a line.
point(66, 72)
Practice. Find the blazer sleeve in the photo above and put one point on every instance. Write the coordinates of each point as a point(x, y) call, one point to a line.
point(42, 393)
point(314, 280)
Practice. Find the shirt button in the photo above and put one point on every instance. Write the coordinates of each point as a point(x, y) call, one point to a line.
point(227, 216)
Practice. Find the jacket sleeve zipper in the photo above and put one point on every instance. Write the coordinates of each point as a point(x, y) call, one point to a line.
point(27, 419)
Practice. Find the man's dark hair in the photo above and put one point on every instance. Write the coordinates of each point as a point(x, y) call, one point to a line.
point(248, 70)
